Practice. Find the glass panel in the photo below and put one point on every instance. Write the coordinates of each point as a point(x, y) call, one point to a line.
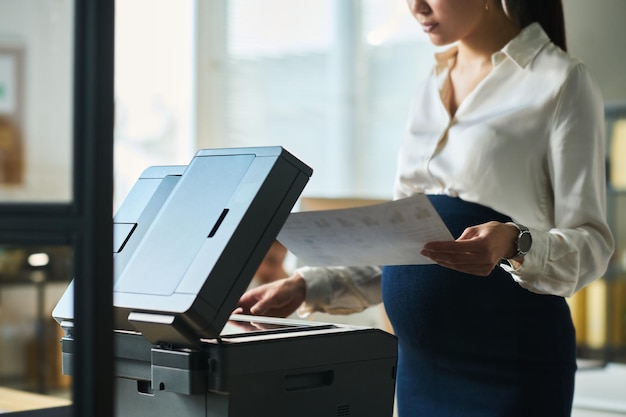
point(599, 310)
point(399, 57)
point(36, 49)
point(154, 87)
point(617, 216)
point(617, 185)
point(32, 280)
point(336, 79)
point(280, 85)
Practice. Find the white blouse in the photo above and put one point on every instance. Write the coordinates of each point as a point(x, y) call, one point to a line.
point(528, 142)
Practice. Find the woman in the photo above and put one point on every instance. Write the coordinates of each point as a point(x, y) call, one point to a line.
point(506, 137)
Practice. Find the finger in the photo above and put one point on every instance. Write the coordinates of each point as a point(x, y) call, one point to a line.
point(478, 270)
point(457, 246)
point(464, 261)
point(260, 308)
point(245, 302)
point(270, 302)
point(471, 264)
point(458, 256)
point(460, 259)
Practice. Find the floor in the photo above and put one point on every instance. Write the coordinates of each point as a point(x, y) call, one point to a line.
point(600, 391)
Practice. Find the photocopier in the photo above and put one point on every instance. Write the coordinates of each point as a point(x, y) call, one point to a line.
point(187, 243)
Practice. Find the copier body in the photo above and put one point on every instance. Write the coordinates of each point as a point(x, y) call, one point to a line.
point(188, 240)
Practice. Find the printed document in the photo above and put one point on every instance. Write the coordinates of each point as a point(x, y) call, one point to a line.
point(390, 233)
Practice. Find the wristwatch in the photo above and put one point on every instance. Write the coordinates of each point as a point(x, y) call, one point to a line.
point(524, 241)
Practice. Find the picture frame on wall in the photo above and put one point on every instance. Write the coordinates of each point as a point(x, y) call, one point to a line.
point(11, 115)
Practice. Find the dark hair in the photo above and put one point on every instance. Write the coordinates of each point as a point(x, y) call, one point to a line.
point(548, 13)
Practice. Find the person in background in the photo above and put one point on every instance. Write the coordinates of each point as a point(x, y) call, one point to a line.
point(506, 137)
point(272, 268)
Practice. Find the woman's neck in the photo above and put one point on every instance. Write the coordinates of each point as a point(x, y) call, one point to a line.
point(473, 61)
point(490, 37)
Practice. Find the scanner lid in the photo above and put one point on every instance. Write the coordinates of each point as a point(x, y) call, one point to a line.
point(188, 240)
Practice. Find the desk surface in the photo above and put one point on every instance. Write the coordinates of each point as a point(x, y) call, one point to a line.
point(12, 400)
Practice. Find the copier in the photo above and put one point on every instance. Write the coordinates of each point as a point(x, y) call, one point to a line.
point(187, 242)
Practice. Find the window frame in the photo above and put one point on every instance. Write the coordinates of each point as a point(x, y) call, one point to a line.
point(86, 221)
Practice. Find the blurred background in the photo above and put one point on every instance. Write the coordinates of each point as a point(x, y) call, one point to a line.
point(329, 80)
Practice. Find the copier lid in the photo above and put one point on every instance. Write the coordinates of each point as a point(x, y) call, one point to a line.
point(188, 240)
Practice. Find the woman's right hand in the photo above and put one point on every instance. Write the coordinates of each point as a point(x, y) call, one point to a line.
point(276, 299)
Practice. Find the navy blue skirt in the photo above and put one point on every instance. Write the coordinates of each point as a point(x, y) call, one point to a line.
point(473, 346)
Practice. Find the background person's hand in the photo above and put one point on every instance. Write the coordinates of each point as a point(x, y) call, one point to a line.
point(276, 299)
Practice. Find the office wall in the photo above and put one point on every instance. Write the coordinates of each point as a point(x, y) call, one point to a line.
point(596, 31)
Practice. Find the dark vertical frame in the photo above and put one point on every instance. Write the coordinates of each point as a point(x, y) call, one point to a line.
point(86, 222)
point(93, 193)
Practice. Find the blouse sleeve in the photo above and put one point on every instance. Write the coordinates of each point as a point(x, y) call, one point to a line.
point(577, 250)
point(340, 290)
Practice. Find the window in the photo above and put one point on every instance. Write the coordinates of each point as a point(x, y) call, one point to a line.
point(154, 87)
point(329, 80)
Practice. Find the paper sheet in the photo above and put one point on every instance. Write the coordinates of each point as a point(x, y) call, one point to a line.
point(390, 233)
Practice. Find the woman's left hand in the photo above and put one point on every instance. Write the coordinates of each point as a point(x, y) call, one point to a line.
point(477, 251)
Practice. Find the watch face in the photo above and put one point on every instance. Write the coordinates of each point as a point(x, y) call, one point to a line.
point(524, 242)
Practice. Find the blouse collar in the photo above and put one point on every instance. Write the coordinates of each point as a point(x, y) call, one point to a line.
point(522, 49)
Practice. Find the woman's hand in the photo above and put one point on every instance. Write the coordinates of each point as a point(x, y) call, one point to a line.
point(477, 251)
point(276, 299)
